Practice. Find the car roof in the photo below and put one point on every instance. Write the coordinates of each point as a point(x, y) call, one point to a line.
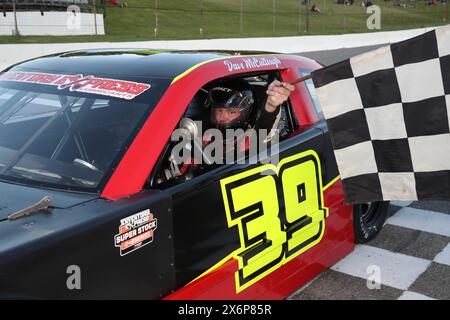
point(137, 62)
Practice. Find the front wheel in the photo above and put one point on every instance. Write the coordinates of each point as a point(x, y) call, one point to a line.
point(368, 219)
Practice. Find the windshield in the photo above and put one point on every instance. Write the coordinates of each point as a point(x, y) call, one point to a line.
point(63, 140)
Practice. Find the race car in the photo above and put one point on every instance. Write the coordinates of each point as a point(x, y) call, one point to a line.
point(92, 205)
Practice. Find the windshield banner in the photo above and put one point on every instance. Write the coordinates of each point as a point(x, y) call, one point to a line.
point(78, 83)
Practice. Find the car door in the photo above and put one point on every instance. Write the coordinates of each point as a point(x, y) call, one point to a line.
point(262, 221)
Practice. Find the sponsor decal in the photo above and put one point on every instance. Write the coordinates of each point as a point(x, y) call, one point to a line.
point(223, 89)
point(251, 63)
point(135, 232)
point(78, 83)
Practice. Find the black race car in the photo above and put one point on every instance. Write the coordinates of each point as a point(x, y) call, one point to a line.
point(92, 205)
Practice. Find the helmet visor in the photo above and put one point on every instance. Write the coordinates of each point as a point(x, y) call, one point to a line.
point(224, 97)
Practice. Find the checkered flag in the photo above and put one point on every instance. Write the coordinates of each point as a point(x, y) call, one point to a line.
point(388, 112)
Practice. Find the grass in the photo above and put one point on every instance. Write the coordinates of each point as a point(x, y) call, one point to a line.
point(184, 19)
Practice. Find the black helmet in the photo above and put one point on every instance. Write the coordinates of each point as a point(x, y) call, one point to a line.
point(234, 95)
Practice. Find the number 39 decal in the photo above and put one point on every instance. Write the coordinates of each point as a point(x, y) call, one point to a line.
point(279, 214)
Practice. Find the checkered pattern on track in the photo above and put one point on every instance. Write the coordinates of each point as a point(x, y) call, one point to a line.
point(411, 254)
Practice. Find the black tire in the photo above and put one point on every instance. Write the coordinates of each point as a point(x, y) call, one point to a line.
point(368, 219)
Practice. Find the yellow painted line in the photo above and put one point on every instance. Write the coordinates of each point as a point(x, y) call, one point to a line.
point(222, 58)
point(331, 183)
point(213, 268)
point(193, 68)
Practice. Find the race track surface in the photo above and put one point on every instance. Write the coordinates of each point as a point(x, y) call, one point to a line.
point(412, 254)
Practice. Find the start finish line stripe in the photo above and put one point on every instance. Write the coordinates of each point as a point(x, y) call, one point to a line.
point(423, 220)
point(364, 259)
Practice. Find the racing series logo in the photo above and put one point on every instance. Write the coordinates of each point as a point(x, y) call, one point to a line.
point(135, 232)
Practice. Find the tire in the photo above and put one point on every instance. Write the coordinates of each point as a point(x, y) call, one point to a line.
point(368, 219)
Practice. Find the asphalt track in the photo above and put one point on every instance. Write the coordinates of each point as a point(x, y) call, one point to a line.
point(412, 251)
point(333, 56)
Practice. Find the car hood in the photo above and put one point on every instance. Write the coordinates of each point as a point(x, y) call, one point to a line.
point(17, 197)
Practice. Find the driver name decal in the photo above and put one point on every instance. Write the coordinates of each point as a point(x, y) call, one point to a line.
point(78, 83)
point(135, 232)
point(251, 63)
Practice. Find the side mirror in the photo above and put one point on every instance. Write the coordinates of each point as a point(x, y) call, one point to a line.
point(190, 126)
point(191, 130)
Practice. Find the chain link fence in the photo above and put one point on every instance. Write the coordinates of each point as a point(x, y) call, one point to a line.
point(242, 18)
point(189, 19)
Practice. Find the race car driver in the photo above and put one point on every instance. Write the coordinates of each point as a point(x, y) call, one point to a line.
point(231, 105)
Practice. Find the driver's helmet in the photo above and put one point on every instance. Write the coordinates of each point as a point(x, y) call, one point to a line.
point(230, 104)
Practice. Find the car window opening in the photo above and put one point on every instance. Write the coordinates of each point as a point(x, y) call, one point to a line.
point(168, 172)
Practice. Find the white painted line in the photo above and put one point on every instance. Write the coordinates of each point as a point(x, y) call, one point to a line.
point(409, 295)
point(424, 220)
point(396, 270)
point(401, 203)
point(444, 256)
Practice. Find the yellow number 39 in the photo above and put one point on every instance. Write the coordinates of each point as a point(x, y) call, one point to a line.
point(279, 213)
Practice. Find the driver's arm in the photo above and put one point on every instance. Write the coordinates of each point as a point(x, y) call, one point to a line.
point(277, 93)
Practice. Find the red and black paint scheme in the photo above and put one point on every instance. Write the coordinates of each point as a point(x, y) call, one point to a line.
point(230, 233)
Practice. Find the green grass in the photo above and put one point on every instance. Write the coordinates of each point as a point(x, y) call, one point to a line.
point(182, 19)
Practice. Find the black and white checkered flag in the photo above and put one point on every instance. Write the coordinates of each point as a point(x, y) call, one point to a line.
point(388, 112)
